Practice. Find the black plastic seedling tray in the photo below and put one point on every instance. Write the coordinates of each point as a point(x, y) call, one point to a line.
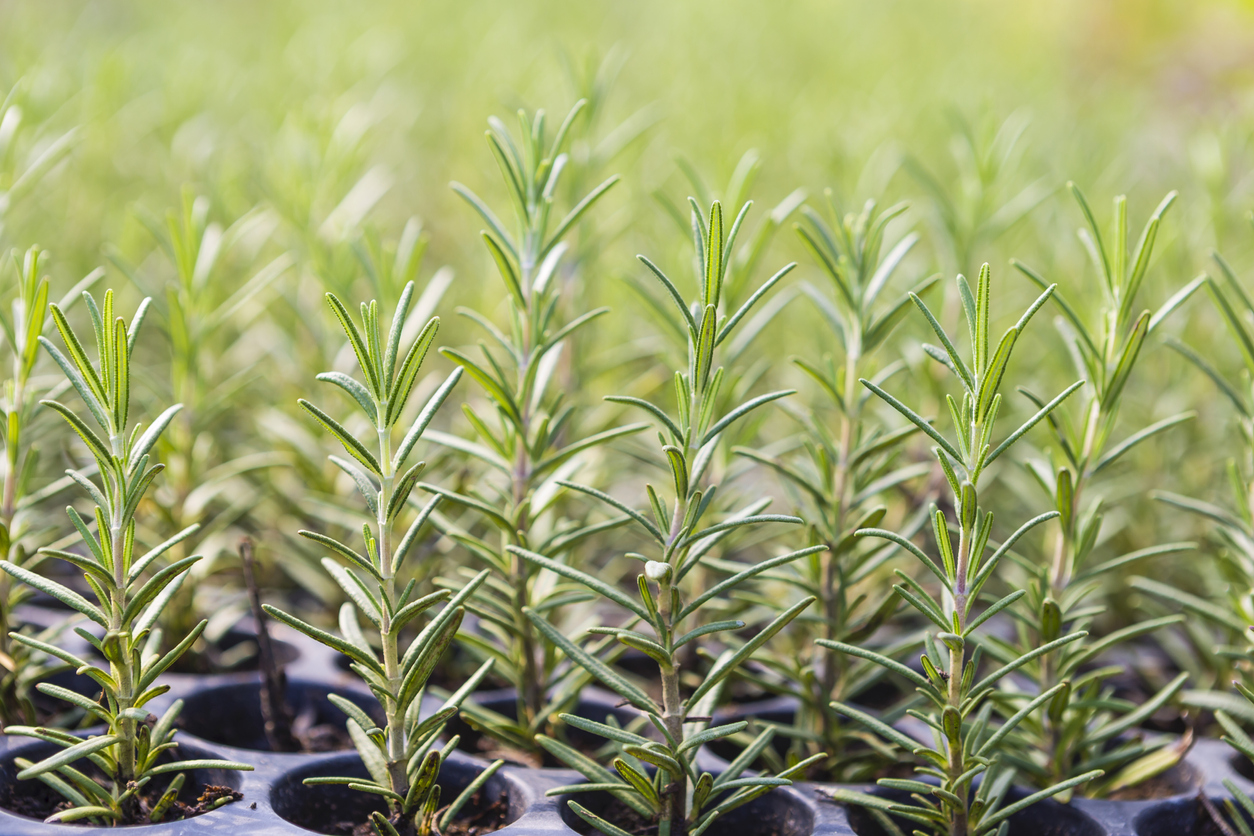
point(276, 803)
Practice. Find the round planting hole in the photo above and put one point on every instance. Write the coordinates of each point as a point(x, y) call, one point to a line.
point(336, 810)
point(778, 813)
point(231, 715)
point(36, 800)
point(1045, 818)
point(1182, 817)
point(235, 651)
point(1242, 765)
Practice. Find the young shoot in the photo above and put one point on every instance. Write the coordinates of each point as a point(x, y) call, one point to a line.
point(838, 478)
point(22, 523)
point(1085, 726)
point(531, 440)
point(671, 611)
point(129, 597)
point(402, 757)
point(1218, 641)
point(957, 708)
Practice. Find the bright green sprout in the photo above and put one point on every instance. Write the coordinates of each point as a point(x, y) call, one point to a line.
point(129, 598)
point(683, 800)
point(1085, 727)
point(402, 756)
point(958, 709)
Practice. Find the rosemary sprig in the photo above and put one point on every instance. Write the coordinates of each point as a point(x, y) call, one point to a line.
point(130, 595)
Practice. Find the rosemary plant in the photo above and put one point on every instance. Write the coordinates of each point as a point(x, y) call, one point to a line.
point(838, 480)
point(22, 528)
point(29, 150)
point(1219, 639)
point(681, 800)
point(532, 443)
point(1086, 727)
point(401, 757)
point(203, 312)
point(988, 194)
point(967, 743)
point(129, 600)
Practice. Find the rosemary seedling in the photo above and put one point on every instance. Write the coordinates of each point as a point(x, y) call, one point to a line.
point(967, 744)
point(1219, 640)
point(533, 441)
point(683, 801)
point(129, 599)
point(203, 312)
point(987, 193)
point(1085, 726)
point(22, 527)
point(401, 757)
point(838, 480)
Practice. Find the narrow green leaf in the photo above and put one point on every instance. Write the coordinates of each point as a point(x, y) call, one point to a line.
point(593, 665)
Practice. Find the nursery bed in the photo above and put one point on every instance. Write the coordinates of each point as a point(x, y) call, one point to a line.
point(275, 803)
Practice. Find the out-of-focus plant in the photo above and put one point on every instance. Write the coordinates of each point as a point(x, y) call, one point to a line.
point(401, 757)
point(682, 800)
point(1086, 727)
point(22, 525)
point(531, 442)
point(21, 172)
point(959, 705)
point(320, 180)
point(838, 477)
point(987, 196)
point(204, 310)
point(129, 599)
point(1223, 654)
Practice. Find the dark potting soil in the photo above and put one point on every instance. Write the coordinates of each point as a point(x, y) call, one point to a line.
point(1212, 818)
point(486, 747)
point(617, 813)
point(475, 819)
point(39, 802)
point(316, 740)
point(313, 738)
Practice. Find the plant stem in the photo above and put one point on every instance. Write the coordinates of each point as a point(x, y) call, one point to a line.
point(120, 666)
point(8, 508)
point(674, 796)
point(275, 712)
point(831, 586)
point(531, 692)
point(396, 743)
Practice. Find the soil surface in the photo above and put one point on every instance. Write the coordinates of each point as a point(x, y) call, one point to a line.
point(475, 819)
point(617, 813)
point(39, 804)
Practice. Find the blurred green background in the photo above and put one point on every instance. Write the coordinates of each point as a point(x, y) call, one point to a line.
point(337, 123)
